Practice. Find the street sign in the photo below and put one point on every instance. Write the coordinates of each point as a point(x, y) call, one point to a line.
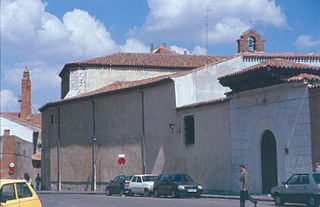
point(11, 165)
point(11, 171)
point(121, 155)
point(121, 161)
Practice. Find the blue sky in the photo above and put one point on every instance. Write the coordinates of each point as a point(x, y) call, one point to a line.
point(44, 35)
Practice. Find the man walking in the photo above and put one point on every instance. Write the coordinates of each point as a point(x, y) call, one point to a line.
point(38, 180)
point(244, 187)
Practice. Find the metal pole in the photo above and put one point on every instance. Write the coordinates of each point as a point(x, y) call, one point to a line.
point(58, 154)
point(143, 149)
point(94, 181)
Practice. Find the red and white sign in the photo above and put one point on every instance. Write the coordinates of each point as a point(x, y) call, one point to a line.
point(11, 171)
point(11, 165)
point(121, 161)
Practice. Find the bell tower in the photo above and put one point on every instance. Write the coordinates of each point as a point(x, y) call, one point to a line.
point(250, 41)
point(25, 109)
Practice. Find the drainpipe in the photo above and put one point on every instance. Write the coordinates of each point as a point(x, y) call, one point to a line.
point(143, 148)
point(94, 139)
point(58, 154)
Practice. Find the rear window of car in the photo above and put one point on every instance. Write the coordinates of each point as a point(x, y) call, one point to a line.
point(316, 178)
point(128, 177)
point(148, 178)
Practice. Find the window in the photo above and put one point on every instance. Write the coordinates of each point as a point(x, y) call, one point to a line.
point(316, 178)
point(23, 190)
point(116, 179)
point(134, 179)
point(305, 179)
point(294, 180)
point(189, 130)
point(51, 119)
point(7, 192)
point(139, 180)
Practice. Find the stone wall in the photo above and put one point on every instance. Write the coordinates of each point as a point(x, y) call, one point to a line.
point(282, 109)
point(314, 100)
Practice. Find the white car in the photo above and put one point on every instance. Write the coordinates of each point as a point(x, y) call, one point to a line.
point(142, 184)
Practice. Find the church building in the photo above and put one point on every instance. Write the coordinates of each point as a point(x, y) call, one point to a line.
point(199, 115)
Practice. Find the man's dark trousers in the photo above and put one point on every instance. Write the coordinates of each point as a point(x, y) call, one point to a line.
point(245, 196)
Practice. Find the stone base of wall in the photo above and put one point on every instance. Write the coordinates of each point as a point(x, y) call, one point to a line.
point(74, 186)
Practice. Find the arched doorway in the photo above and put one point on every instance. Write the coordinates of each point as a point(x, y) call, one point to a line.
point(268, 161)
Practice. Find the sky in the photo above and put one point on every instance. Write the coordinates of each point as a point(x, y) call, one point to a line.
point(46, 34)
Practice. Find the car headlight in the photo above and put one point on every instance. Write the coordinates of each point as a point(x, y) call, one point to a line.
point(200, 187)
point(181, 187)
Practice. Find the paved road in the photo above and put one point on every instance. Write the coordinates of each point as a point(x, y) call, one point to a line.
point(76, 200)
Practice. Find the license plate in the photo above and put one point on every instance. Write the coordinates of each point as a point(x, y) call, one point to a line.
point(192, 190)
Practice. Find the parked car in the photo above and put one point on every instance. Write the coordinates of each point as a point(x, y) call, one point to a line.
point(176, 185)
point(17, 193)
point(142, 184)
point(119, 185)
point(299, 188)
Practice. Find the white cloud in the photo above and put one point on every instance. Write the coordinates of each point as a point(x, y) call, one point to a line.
point(179, 50)
point(305, 42)
point(199, 50)
point(173, 19)
point(9, 101)
point(133, 45)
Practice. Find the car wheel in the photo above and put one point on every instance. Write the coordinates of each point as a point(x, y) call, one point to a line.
point(277, 200)
point(130, 193)
point(313, 202)
point(146, 193)
point(173, 194)
point(121, 192)
point(108, 192)
point(197, 196)
point(156, 193)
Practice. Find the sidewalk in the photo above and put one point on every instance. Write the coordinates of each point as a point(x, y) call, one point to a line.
point(235, 197)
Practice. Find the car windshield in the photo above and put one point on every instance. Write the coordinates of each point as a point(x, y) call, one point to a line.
point(316, 178)
point(148, 178)
point(181, 178)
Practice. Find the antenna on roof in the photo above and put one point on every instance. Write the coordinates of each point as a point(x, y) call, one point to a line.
point(251, 23)
point(206, 18)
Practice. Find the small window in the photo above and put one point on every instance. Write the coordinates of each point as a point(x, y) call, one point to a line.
point(23, 190)
point(294, 180)
point(134, 179)
point(189, 130)
point(139, 180)
point(305, 179)
point(7, 192)
point(51, 119)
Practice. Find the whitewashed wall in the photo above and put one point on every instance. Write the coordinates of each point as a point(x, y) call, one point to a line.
point(16, 129)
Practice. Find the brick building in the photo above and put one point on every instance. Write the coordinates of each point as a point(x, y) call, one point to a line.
point(253, 108)
point(21, 135)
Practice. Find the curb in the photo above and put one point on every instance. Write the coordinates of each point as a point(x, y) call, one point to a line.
point(235, 197)
point(72, 192)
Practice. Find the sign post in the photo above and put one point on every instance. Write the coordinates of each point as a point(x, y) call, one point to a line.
point(121, 162)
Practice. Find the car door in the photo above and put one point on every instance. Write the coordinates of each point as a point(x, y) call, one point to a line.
point(26, 197)
point(113, 185)
point(139, 185)
point(308, 190)
point(295, 189)
point(132, 185)
point(8, 193)
point(160, 184)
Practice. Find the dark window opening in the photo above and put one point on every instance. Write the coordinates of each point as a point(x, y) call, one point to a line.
point(51, 119)
point(35, 141)
point(189, 130)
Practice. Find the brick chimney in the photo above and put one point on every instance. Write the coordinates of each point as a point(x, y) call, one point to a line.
point(151, 48)
point(164, 44)
point(25, 109)
point(6, 133)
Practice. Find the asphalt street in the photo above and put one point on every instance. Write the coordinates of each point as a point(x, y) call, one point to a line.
point(76, 200)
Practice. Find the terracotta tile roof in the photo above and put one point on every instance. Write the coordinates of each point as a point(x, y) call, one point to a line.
point(149, 60)
point(277, 62)
point(304, 76)
point(116, 86)
point(33, 120)
point(281, 55)
point(36, 157)
point(214, 101)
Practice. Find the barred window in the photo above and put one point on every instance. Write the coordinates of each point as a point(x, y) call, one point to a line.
point(189, 130)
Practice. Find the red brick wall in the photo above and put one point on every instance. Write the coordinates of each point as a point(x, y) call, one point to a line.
point(243, 42)
point(315, 124)
point(7, 150)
